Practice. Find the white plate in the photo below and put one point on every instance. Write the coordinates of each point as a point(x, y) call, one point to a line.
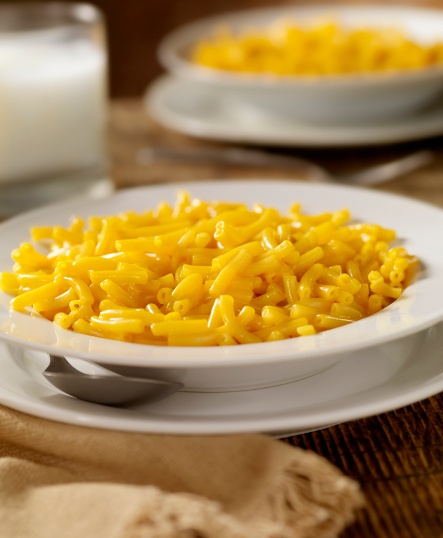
point(349, 97)
point(353, 389)
point(253, 365)
point(209, 113)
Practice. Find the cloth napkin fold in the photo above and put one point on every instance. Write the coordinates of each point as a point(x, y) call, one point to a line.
point(63, 481)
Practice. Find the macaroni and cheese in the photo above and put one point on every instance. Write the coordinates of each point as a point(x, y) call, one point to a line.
point(199, 273)
point(322, 48)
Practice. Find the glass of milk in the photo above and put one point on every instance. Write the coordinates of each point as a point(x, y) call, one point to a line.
point(53, 104)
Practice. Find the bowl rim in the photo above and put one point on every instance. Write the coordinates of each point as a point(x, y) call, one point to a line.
point(170, 57)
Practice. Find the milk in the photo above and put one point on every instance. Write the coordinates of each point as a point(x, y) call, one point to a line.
point(52, 107)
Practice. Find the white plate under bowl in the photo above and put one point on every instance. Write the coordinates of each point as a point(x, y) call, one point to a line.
point(350, 98)
point(249, 366)
point(213, 114)
point(353, 389)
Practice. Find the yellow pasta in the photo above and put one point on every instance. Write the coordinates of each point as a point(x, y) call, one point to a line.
point(199, 273)
point(314, 48)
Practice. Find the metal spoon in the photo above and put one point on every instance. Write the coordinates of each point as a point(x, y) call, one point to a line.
point(381, 173)
point(239, 156)
point(112, 389)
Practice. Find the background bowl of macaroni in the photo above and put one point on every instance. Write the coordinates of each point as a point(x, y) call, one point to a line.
point(317, 63)
point(88, 286)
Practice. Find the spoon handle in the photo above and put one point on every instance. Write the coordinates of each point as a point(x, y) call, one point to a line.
point(58, 364)
point(388, 171)
point(373, 175)
point(230, 155)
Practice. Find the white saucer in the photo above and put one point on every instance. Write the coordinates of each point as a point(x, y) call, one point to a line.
point(352, 389)
point(197, 110)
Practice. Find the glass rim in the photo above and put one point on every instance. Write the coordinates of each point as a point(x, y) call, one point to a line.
point(17, 18)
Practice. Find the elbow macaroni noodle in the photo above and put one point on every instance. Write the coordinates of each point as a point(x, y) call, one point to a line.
point(322, 48)
point(200, 273)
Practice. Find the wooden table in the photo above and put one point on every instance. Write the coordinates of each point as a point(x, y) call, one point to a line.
point(397, 456)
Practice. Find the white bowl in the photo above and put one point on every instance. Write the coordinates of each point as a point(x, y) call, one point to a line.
point(393, 332)
point(334, 98)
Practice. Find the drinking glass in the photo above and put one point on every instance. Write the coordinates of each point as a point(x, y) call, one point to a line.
point(53, 104)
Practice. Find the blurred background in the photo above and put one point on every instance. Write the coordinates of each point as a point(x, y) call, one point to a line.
point(134, 31)
point(135, 28)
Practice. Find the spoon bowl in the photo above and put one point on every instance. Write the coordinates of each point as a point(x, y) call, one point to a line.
point(106, 389)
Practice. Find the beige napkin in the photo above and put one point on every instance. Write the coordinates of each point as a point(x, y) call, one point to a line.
point(65, 481)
